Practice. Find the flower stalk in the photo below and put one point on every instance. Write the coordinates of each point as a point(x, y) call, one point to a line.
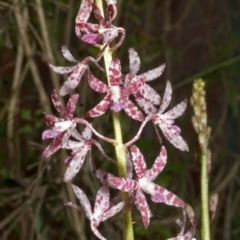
point(199, 121)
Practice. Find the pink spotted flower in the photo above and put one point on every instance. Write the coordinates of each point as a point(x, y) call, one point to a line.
point(61, 128)
point(76, 71)
point(101, 211)
point(80, 149)
point(104, 31)
point(117, 97)
point(147, 97)
point(143, 183)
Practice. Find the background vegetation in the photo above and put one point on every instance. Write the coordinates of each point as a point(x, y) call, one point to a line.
point(194, 38)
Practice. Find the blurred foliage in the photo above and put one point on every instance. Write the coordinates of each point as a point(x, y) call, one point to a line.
point(193, 38)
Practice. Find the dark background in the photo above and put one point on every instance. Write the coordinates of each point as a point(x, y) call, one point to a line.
point(194, 38)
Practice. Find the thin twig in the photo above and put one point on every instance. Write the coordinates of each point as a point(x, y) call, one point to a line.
point(21, 22)
point(48, 51)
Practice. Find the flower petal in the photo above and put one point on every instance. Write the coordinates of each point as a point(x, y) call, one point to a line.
point(71, 105)
point(178, 110)
point(66, 53)
point(143, 207)
point(160, 194)
point(131, 109)
point(108, 34)
point(166, 98)
point(88, 27)
point(100, 108)
point(92, 38)
point(123, 184)
point(76, 163)
point(158, 165)
point(57, 104)
point(73, 145)
point(101, 201)
point(115, 72)
point(53, 146)
point(154, 73)
point(87, 133)
point(84, 11)
point(77, 135)
point(129, 165)
point(96, 84)
point(73, 80)
point(112, 211)
point(83, 201)
point(146, 106)
point(50, 134)
point(138, 161)
point(94, 225)
point(62, 70)
point(51, 120)
point(172, 135)
point(150, 94)
point(63, 126)
point(134, 61)
point(135, 83)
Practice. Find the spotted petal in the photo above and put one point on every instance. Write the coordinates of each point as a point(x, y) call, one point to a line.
point(101, 201)
point(53, 146)
point(178, 110)
point(138, 161)
point(135, 83)
point(50, 134)
point(96, 84)
point(57, 104)
point(51, 120)
point(108, 34)
point(84, 11)
point(62, 70)
point(150, 94)
point(76, 163)
point(100, 108)
point(158, 165)
point(160, 194)
point(146, 106)
point(134, 61)
point(115, 72)
point(112, 211)
point(143, 207)
point(123, 184)
point(172, 135)
point(131, 109)
point(92, 38)
point(166, 98)
point(71, 105)
point(73, 80)
point(154, 73)
point(83, 201)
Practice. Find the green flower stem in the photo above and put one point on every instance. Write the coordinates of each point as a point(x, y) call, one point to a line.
point(199, 120)
point(204, 196)
point(119, 147)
